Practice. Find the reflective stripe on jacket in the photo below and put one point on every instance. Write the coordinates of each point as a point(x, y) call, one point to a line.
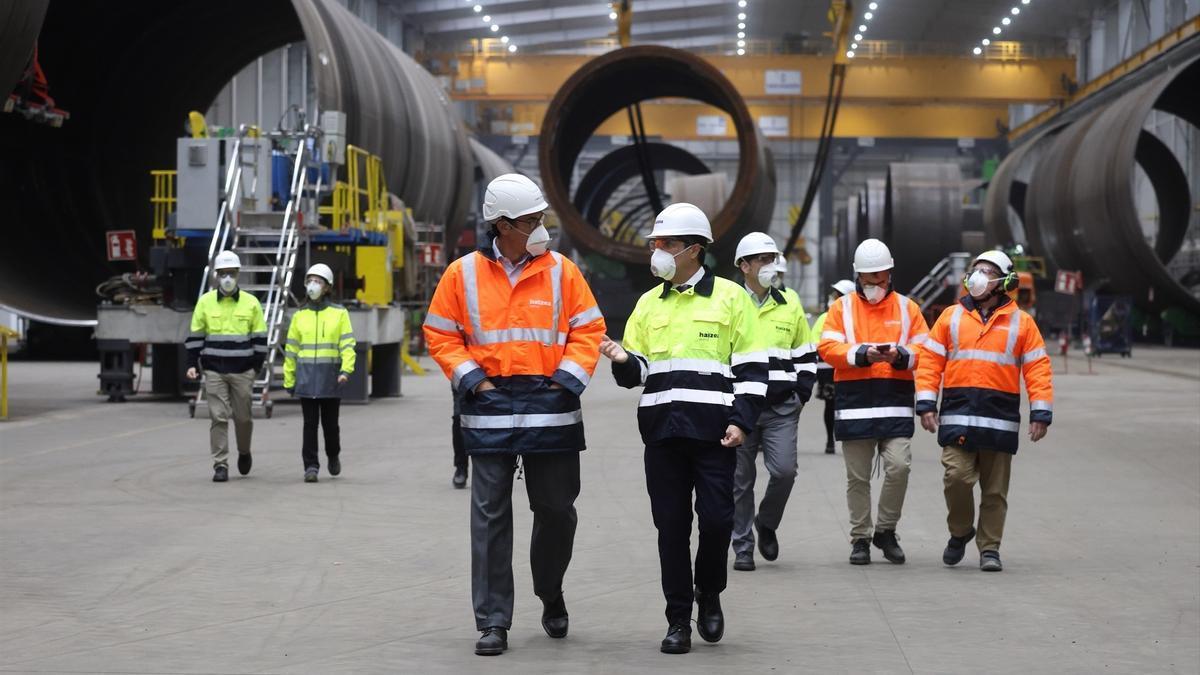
point(228, 333)
point(320, 346)
point(701, 357)
point(792, 354)
point(824, 370)
point(977, 365)
point(874, 400)
point(545, 329)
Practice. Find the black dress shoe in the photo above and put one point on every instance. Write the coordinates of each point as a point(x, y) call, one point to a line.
point(220, 474)
point(460, 477)
point(956, 548)
point(678, 640)
point(244, 463)
point(829, 449)
point(861, 553)
point(493, 642)
point(335, 466)
point(768, 543)
point(710, 620)
point(554, 618)
point(886, 541)
point(744, 562)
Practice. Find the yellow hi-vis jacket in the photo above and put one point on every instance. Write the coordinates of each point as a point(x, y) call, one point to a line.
point(793, 356)
point(320, 346)
point(228, 333)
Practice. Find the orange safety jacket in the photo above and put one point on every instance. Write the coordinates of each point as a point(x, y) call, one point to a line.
point(977, 365)
point(874, 400)
point(544, 329)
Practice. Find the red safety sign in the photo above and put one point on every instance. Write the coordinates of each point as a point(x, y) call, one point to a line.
point(431, 254)
point(1068, 282)
point(121, 245)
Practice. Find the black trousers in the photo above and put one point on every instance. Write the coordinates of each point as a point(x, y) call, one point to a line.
point(460, 451)
point(323, 411)
point(674, 468)
point(828, 421)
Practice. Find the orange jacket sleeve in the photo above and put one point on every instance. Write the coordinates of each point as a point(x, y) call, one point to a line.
point(1035, 367)
point(585, 326)
point(932, 364)
point(833, 348)
point(918, 330)
point(444, 335)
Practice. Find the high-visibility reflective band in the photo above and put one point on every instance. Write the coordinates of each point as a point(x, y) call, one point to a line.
point(918, 340)
point(293, 343)
point(824, 366)
point(927, 396)
point(979, 422)
point(461, 370)
point(832, 335)
point(690, 365)
point(872, 413)
point(586, 316)
point(556, 292)
point(850, 356)
point(1014, 327)
point(471, 293)
point(213, 351)
point(1033, 355)
point(321, 359)
point(576, 370)
point(346, 336)
point(935, 347)
point(803, 350)
point(905, 321)
point(641, 361)
point(1047, 406)
point(750, 388)
point(542, 335)
point(260, 348)
point(193, 344)
point(781, 375)
point(983, 355)
point(686, 396)
point(228, 338)
point(955, 320)
point(440, 323)
point(848, 317)
point(312, 346)
point(749, 357)
point(806, 367)
point(777, 353)
point(521, 421)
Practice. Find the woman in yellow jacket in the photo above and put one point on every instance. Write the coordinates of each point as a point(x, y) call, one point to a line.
point(318, 360)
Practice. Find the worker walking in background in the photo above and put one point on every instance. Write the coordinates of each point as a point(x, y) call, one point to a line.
point(870, 338)
point(976, 354)
point(825, 388)
point(694, 344)
point(318, 361)
point(228, 342)
point(516, 329)
point(793, 368)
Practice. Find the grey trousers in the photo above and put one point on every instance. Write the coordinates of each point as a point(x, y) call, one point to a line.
point(775, 437)
point(552, 484)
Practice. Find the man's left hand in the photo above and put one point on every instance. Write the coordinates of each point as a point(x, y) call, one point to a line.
point(1037, 431)
point(734, 436)
point(343, 378)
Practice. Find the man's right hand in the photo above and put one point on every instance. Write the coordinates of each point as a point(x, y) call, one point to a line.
point(876, 356)
point(486, 385)
point(192, 374)
point(612, 350)
point(929, 422)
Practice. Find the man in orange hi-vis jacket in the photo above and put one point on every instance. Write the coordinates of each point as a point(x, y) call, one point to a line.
point(870, 338)
point(517, 330)
point(975, 356)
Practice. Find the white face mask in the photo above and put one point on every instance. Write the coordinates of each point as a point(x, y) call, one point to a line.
point(314, 288)
point(768, 277)
point(662, 263)
point(874, 294)
point(227, 282)
point(538, 241)
point(977, 284)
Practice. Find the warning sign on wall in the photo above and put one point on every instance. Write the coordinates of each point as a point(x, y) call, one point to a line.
point(121, 245)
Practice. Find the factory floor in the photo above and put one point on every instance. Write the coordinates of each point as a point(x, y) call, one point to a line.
point(118, 555)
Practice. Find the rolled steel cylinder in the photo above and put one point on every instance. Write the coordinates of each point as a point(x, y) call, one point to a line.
point(621, 78)
point(923, 218)
point(1080, 210)
point(129, 73)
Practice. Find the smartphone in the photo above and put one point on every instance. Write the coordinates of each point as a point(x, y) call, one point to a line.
point(883, 348)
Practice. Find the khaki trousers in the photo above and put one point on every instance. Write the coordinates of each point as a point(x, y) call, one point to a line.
point(229, 395)
point(896, 456)
point(965, 468)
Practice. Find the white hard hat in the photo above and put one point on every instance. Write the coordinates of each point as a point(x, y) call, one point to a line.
point(227, 260)
point(682, 220)
point(511, 196)
point(997, 258)
point(872, 256)
point(320, 270)
point(753, 244)
point(845, 287)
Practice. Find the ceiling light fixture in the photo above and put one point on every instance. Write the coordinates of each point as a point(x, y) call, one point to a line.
point(495, 28)
point(868, 16)
point(477, 9)
point(985, 42)
point(850, 54)
point(996, 30)
point(612, 15)
point(512, 48)
point(1006, 21)
point(741, 16)
point(741, 43)
point(741, 26)
point(873, 6)
point(853, 45)
point(858, 36)
point(862, 28)
point(741, 52)
point(977, 51)
point(504, 39)
point(741, 3)
point(1024, 2)
point(1016, 11)
point(741, 35)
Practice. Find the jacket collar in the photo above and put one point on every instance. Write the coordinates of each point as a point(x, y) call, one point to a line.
point(543, 261)
point(969, 303)
point(772, 292)
point(235, 295)
point(318, 305)
point(703, 288)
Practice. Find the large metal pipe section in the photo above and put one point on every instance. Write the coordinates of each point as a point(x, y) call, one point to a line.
point(129, 72)
point(610, 83)
point(1080, 209)
point(923, 217)
point(620, 165)
point(20, 21)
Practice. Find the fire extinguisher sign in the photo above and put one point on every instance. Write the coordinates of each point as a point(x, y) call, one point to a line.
point(121, 245)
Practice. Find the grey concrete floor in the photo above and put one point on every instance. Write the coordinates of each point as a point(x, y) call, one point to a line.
point(118, 555)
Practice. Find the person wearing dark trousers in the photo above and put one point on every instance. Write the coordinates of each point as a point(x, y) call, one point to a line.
point(825, 389)
point(318, 361)
point(460, 454)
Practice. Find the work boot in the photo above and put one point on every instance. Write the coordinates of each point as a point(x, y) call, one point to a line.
point(678, 639)
point(220, 473)
point(493, 642)
point(310, 474)
point(768, 543)
point(956, 548)
point(886, 541)
point(244, 462)
point(710, 620)
point(335, 465)
point(460, 477)
point(554, 617)
point(829, 449)
point(989, 561)
point(861, 553)
point(744, 562)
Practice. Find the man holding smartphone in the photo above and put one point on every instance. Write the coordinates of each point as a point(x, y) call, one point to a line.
point(870, 338)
